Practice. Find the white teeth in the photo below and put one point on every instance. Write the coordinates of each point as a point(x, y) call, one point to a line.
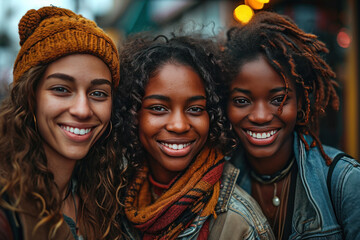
point(261, 135)
point(77, 131)
point(175, 146)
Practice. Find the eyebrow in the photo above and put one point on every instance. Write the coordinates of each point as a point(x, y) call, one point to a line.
point(195, 98)
point(61, 76)
point(159, 97)
point(274, 90)
point(97, 81)
point(279, 89)
point(240, 90)
point(167, 99)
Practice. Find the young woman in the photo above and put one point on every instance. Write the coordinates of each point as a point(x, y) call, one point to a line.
point(170, 125)
point(278, 87)
point(57, 161)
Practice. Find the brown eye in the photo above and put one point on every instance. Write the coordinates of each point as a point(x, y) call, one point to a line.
point(241, 102)
point(157, 108)
point(278, 100)
point(196, 110)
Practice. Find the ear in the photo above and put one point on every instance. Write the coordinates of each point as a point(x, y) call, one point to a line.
point(300, 111)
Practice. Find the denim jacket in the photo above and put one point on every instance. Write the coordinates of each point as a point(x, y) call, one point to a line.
point(314, 216)
point(238, 215)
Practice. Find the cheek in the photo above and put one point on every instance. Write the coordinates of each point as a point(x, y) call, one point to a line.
point(206, 126)
point(103, 111)
point(147, 131)
point(202, 126)
point(47, 109)
point(290, 116)
point(234, 115)
point(148, 126)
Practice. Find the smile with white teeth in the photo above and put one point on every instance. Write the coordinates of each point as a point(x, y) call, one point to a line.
point(77, 131)
point(175, 146)
point(261, 135)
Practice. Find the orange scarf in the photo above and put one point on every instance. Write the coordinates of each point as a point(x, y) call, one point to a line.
point(194, 193)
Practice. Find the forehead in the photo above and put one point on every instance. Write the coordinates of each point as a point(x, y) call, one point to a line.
point(259, 74)
point(80, 66)
point(175, 79)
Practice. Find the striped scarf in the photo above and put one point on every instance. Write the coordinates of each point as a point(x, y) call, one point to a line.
point(194, 193)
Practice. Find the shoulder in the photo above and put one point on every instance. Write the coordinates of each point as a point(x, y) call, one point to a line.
point(340, 160)
point(5, 227)
point(314, 156)
point(343, 180)
point(345, 170)
point(244, 208)
point(10, 225)
point(239, 215)
point(234, 198)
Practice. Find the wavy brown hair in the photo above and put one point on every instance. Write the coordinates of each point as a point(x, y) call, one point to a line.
point(140, 58)
point(24, 175)
point(296, 56)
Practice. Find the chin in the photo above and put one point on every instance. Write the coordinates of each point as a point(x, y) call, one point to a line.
point(260, 153)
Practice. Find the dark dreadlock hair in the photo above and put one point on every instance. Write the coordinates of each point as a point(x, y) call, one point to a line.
point(295, 56)
point(142, 56)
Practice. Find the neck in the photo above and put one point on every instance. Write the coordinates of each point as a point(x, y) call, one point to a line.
point(62, 170)
point(160, 174)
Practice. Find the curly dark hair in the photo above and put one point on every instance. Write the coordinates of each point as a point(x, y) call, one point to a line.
point(295, 55)
point(24, 174)
point(140, 59)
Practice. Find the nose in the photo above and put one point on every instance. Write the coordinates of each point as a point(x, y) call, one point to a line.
point(261, 113)
point(80, 106)
point(178, 122)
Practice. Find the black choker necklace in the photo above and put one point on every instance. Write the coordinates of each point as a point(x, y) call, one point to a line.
point(267, 179)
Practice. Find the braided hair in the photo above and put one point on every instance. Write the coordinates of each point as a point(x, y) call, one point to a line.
point(296, 56)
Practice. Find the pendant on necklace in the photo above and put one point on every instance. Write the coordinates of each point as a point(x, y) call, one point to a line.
point(276, 201)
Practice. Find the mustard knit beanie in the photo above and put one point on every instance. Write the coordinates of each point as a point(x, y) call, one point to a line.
point(50, 33)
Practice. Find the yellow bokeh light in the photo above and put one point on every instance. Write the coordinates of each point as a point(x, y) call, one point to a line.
point(254, 4)
point(243, 13)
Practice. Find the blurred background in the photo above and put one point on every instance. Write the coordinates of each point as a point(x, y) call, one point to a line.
point(336, 22)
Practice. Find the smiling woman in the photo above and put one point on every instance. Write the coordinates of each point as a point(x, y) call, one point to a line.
point(169, 123)
point(58, 170)
point(173, 122)
point(74, 105)
point(276, 89)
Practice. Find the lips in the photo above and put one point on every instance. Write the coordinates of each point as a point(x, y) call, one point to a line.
point(261, 137)
point(175, 149)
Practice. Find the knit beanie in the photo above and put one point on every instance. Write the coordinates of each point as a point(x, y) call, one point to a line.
point(50, 33)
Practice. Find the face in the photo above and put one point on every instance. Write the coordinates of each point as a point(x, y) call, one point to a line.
point(255, 96)
point(73, 105)
point(173, 121)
